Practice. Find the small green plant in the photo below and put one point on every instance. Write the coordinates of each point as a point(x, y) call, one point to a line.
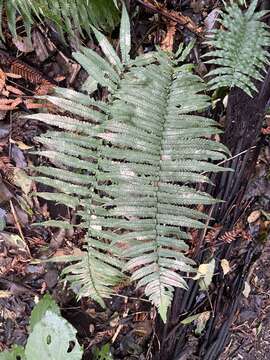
point(67, 15)
point(51, 336)
point(130, 165)
point(102, 354)
point(240, 48)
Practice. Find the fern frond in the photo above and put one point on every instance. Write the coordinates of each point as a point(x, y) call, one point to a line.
point(130, 169)
point(240, 44)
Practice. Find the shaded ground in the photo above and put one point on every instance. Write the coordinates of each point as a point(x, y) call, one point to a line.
point(250, 331)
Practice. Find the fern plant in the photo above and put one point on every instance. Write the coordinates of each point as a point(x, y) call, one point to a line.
point(130, 166)
point(67, 15)
point(240, 48)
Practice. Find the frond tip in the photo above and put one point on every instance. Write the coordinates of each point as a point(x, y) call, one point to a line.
point(240, 44)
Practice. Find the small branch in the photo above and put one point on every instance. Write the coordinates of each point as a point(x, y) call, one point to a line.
point(174, 16)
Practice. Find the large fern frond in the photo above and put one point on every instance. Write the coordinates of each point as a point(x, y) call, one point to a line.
point(131, 167)
point(240, 43)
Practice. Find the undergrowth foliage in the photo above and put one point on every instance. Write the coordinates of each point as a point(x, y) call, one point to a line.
point(67, 15)
point(130, 167)
point(240, 48)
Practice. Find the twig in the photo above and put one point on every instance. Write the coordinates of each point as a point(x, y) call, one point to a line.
point(237, 155)
point(119, 328)
point(174, 16)
point(18, 226)
point(132, 298)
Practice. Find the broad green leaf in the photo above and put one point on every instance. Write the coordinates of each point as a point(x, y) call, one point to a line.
point(16, 353)
point(51, 339)
point(46, 303)
point(103, 354)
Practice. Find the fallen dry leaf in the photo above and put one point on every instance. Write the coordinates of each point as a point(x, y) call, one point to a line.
point(32, 105)
point(202, 321)
point(14, 90)
point(21, 145)
point(5, 294)
point(13, 76)
point(2, 79)
point(6, 101)
point(225, 266)
point(23, 43)
point(205, 274)
point(16, 102)
point(254, 216)
point(246, 290)
point(22, 180)
point(167, 43)
point(6, 107)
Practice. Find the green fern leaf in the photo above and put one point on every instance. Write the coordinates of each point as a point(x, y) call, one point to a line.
point(240, 44)
point(129, 171)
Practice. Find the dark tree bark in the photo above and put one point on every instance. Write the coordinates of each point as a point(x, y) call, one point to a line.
point(242, 134)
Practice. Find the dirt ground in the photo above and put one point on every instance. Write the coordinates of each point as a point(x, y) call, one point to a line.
point(250, 332)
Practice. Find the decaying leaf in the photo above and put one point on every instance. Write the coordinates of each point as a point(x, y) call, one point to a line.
point(199, 319)
point(254, 216)
point(21, 179)
point(13, 240)
point(190, 319)
point(246, 290)
point(201, 322)
point(23, 43)
point(225, 266)
point(21, 145)
point(205, 274)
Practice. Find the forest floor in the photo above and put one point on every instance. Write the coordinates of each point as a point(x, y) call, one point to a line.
point(128, 321)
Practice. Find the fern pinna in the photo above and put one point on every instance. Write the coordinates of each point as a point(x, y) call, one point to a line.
point(130, 166)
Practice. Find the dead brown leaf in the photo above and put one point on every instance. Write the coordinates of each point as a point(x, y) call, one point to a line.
point(23, 43)
point(16, 102)
point(13, 76)
point(167, 43)
point(14, 90)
